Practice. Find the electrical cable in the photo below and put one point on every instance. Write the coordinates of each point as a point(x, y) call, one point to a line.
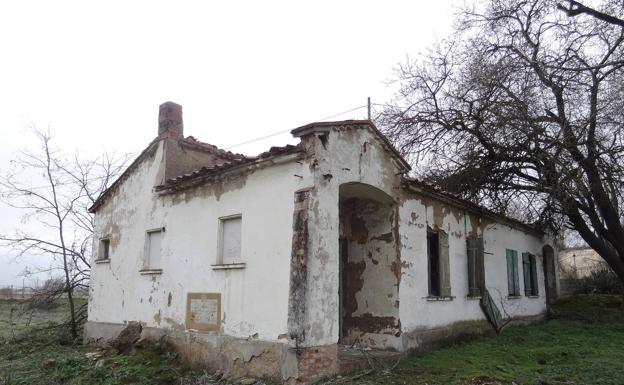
point(290, 129)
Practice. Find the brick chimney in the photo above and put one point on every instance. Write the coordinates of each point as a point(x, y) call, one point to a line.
point(170, 120)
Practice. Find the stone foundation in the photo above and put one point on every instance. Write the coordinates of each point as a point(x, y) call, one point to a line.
point(238, 357)
point(235, 357)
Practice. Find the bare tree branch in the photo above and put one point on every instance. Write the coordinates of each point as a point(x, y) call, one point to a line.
point(58, 202)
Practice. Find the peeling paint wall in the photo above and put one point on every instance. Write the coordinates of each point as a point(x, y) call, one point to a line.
point(293, 215)
point(351, 155)
point(419, 312)
point(348, 155)
point(254, 298)
point(369, 280)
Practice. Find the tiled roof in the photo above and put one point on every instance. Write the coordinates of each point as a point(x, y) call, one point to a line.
point(183, 181)
point(436, 192)
point(191, 142)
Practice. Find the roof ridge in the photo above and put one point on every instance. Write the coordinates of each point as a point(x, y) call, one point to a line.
point(193, 142)
point(204, 170)
point(468, 204)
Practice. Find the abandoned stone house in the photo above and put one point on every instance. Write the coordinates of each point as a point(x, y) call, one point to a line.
point(273, 265)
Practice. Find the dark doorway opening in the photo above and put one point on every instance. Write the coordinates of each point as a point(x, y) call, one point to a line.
point(433, 263)
point(368, 267)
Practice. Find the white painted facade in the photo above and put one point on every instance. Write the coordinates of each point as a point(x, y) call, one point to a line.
point(339, 163)
point(255, 298)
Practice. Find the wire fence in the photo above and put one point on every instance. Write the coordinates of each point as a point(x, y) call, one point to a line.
point(25, 292)
point(16, 292)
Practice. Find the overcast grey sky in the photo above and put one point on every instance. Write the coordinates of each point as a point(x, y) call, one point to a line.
point(97, 71)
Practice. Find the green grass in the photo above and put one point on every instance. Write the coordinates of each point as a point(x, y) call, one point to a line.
point(583, 343)
point(31, 353)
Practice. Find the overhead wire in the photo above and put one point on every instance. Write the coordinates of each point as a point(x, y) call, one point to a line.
point(252, 140)
point(290, 129)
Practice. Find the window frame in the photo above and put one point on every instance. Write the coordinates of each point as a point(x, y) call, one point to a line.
point(103, 245)
point(529, 271)
point(147, 262)
point(475, 259)
point(220, 243)
point(513, 278)
point(443, 266)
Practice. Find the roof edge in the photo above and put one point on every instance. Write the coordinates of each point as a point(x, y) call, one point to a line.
point(422, 188)
point(324, 127)
point(104, 195)
point(197, 177)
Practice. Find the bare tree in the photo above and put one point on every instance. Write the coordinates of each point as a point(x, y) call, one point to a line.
point(525, 104)
point(576, 8)
point(54, 194)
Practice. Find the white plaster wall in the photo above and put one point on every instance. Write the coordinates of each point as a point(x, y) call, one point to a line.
point(417, 312)
point(347, 159)
point(352, 155)
point(254, 299)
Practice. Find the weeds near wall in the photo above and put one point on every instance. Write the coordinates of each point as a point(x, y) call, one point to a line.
point(600, 280)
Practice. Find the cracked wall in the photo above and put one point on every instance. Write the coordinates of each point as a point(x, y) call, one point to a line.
point(418, 313)
point(342, 156)
point(254, 299)
point(353, 155)
point(370, 298)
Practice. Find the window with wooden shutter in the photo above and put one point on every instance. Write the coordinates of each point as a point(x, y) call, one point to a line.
point(513, 280)
point(526, 272)
point(438, 264)
point(476, 267)
point(534, 282)
point(529, 267)
point(445, 265)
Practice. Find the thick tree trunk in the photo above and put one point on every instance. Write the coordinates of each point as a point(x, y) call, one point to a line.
point(612, 255)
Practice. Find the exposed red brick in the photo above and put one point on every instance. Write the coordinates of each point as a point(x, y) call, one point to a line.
point(170, 120)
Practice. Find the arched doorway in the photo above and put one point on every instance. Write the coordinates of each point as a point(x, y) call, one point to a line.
point(369, 267)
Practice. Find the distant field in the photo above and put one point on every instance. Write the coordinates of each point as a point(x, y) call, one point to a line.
point(582, 344)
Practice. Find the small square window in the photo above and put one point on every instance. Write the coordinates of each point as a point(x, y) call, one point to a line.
point(104, 250)
point(153, 249)
point(230, 240)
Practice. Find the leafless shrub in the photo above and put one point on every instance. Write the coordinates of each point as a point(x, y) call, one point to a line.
point(54, 191)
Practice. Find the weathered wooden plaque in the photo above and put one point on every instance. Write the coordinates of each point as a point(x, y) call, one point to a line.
point(203, 311)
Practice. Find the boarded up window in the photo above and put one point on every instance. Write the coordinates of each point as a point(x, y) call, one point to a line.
point(104, 249)
point(476, 267)
point(513, 281)
point(154, 249)
point(230, 249)
point(529, 269)
point(438, 264)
